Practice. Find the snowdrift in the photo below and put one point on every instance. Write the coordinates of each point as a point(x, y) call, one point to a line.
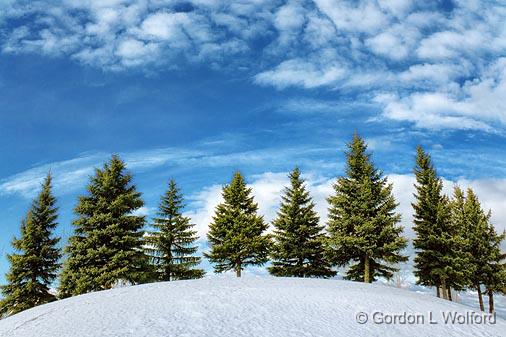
point(251, 306)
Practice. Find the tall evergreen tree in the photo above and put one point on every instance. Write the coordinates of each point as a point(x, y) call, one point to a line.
point(236, 235)
point(172, 246)
point(298, 248)
point(35, 267)
point(362, 221)
point(462, 269)
point(439, 261)
point(107, 246)
point(487, 260)
point(468, 212)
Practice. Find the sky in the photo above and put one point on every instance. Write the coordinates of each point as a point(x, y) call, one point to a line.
point(195, 90)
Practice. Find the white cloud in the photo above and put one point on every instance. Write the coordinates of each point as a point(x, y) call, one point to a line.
point(389, 45)
point(202, 205)
point(477, 104)
point(71, 175)
point(448, 44)
point(66, 174)
point(413, 52)
point(395, 42)
point(430, 110)
point(133, 52)
point(363, 17)
point(300, 73)
point(290, 17)
point(435, 74)
point(165, 26)
point(117, 35)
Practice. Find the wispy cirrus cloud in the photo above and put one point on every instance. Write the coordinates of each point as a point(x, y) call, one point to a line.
point(71, 175)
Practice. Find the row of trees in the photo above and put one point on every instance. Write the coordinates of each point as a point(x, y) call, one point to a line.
point(456, 245)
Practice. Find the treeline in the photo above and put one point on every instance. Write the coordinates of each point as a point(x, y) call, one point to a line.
point(456, 245)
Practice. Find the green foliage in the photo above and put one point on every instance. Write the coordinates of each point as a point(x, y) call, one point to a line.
point(298, 248)
point(439, 240)
point(362, 221)
point(106, 247)
point(484, 248)
point(236, 233)
point(35, 267)
point(172, 246)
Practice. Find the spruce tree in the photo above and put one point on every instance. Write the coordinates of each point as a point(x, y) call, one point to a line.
point(107, 245)
point(459, 258)
point(475, 224)
point(236, 235)
point(35, 265)
point(362, 222)
point(438, 261)
point(172, 246)
point(487, 260)
point(298, 248)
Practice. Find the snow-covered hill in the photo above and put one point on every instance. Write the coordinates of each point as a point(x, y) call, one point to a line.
point(251, 306)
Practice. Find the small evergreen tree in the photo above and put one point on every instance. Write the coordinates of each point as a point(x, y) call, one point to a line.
point(439, 261)
point(172, 245)
point(236, 233)
point(362, 221)
point(107, 246)
point(35, 267)
point(298, 248)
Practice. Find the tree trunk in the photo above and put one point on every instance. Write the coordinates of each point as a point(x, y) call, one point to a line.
point(490, 301)
point(450, 294)
point(444, 290)
point(238, 270)
point(480, 298)
point(367, 276)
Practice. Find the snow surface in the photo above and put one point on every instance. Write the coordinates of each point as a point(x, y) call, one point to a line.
point(250, 306)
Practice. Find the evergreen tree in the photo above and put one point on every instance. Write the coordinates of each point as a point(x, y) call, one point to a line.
point(298, 248)
point(172, 245)
point(362, 221)
point(459, 255)
point(236, 233)
point(487, 261)
point(107, 246)
point(475, 226)
point(35, 267)
point(439, 261)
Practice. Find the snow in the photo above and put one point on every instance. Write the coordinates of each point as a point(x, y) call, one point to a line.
point(250, 306)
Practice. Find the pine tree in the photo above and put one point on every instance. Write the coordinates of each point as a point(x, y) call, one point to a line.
point(362, 221)
point(107, 246)
point(35, 267)
point(438, 261)
point(487, 261)
point(236, 233)
point(172, 245)
point(298, 248)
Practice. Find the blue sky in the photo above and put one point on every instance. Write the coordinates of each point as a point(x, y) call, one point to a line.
point(197, 89)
